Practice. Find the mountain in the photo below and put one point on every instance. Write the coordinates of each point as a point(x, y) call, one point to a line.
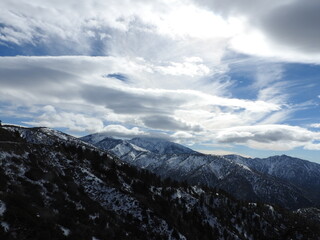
point(154, 145)
point(301, 173)
point(54, 186)
point(160, 146)
point(117, 147)
point(284, 181)
point(43, 135)
point(101, 140)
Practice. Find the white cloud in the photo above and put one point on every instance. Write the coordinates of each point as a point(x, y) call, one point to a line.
point(312, 146)
point(268, 137)
point(75, 95)
point(186, 68)
point(76, 86)
point(264, 29)
point(315, 125)
point(140, 28)
point(181, 135)
point(220, 152)
point(121, 131)
point(73, 121)
point(76, 79)
point(175, 56)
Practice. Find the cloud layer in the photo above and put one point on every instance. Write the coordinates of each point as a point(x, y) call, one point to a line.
point(169, 68)
point(74, 93)
point(191, 28)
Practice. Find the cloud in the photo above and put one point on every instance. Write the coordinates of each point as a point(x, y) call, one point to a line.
point(167, 67)
point(221, 152)
point(77, 89)
point(181, 29)
point(189, 68)
point(78, 79)
point(121, 131)
point(312, 146)
point(80, 123)
point(297, 27)
point(286, 30)
point(168, 123)
point(118, 28)
point(73, 121)
point(131, 100)
point(72, 93)
point(315, 125)
point(271, 137)
point(181, 135)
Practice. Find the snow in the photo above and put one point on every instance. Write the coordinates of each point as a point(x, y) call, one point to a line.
point(122, 149)
point(110, 198)
point(89, 176)
point(176, 194)
point(65, 231)
point(137, 148)
point(2, 208)
point(197, 190)
point(96, 137)
point(47, 136)
point(121, 200)
point(190, 201)
point(160, 146)
point(179, 164)
point(245, 167)
point(270, 208)
point(94, 216)
point(5, 226)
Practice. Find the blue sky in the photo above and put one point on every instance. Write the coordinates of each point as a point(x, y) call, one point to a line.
point(218, 76)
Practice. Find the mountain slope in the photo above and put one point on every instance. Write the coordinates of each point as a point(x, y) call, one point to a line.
point(303, 174)
point(160, 146)
point(246, 179)
point(67, 190)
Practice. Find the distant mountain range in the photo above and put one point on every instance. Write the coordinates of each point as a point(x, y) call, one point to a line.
point(282, 180)
point(55, 186)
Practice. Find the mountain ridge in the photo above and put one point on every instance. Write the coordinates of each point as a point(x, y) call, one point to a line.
point(226, 171)
point(152, 144)
point(60, 188)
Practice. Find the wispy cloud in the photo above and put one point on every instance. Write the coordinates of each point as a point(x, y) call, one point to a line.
point(271, 137)
point(165, 67)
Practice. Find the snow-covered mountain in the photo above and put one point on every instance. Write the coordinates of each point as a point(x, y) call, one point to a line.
point(47, 136)
point(160, 146)
point(117, 147)
point(53, 186)
point(155, 145)
point(301, 173)
point(285, 181)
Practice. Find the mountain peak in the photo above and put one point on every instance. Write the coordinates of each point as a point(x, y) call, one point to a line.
point(152, 144)
point(160, 146)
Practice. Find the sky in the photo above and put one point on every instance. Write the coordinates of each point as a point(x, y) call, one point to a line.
point(219, 76)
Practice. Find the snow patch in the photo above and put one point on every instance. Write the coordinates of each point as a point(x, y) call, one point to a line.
point(65, 231)
point(5, 226)
point(2, 208)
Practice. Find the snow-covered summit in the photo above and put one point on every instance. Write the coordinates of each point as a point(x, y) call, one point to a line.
point(97, 137)
point(160, 146)
point(154, 145)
